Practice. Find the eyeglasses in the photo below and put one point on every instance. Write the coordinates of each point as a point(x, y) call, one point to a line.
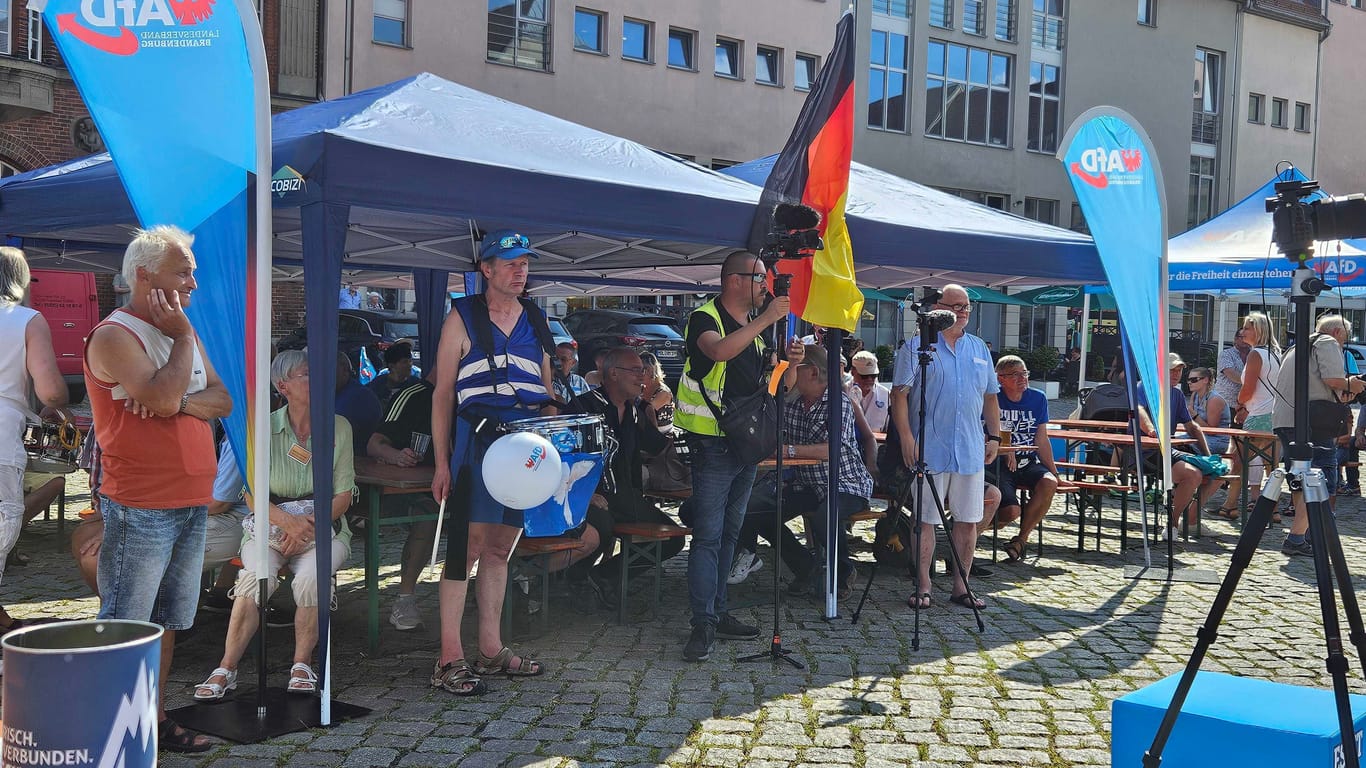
point(955, 307)
point(514, 241)
point(1193, 379)
point(303, 375)
point(757, 277)
point(1016, 375)
point(637, 371)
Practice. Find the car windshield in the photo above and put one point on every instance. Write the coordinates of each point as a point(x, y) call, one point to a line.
point(557, 328)
point(398, 329)
point(654, 328)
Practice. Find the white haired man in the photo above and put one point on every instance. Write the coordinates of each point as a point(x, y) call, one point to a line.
point(152, 394)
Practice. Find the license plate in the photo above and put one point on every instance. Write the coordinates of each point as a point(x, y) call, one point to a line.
point(667, 354)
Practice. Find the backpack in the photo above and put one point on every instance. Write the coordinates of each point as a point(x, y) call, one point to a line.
point(894, 535)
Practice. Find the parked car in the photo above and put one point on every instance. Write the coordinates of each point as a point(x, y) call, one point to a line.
point(69, 304)
point(599, 329)
point(560, 333)
point(357, 328)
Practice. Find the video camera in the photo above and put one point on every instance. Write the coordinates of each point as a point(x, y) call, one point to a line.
point(1297, 224)
point(795, 233)
point(931, 321)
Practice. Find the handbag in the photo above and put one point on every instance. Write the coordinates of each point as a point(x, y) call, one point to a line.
point(668, 471)
point(1209, 466)
point(750, 425)
point(1328, 420)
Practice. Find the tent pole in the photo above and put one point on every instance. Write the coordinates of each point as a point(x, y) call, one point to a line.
point(1223, 327)
point(1085, 337)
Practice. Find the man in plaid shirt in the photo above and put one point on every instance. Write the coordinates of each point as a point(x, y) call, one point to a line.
point(806, 436)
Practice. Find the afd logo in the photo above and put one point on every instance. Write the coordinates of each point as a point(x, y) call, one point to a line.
point(537, 456)
point(287, 180)
point(1338, 271)
point(1102, 168)
point(160, 24)
point(132, 734)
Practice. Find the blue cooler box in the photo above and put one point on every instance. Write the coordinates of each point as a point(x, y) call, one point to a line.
point(1233, 721)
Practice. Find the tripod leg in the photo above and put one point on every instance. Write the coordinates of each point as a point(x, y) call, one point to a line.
point(914, 560)
point(1350, 606)
point(866, 588)
point(1316, 503)
point(1209, 631)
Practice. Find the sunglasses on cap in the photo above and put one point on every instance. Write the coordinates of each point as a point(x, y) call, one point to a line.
point(514, 241)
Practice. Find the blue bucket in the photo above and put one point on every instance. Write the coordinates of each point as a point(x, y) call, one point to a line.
point(113, 721)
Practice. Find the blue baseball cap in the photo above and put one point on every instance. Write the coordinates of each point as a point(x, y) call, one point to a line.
point(505, 244)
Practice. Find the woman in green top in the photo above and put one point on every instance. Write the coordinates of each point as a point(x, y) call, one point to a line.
point(291, 538)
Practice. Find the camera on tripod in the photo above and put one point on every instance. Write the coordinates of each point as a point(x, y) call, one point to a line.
point(931, 321)
point(795, 233)
point(1297, 224)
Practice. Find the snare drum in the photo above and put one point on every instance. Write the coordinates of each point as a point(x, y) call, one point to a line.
point(585, 447)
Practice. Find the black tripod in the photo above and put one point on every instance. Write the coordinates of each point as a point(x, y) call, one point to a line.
point(776, 651)
point(1323, 535)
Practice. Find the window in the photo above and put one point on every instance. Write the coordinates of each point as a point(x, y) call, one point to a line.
point(682, 49)
point(1005, 20)
point(391, 21)
point(35, 36)
point(1147, 13)
point(635, 39)
point(804, 71)
point(4, 28)
point(887, 74)
point(1048, 24)
point(941, 14)
point(1205, 120)
point(1045, 107)
point(1256, 106)
point(727, 58)
point(1200, 203)
point(717, 163)
point(1278, 112)
point(898, 8)
point(1301, 117)
point(1078, 223)
point(975, 17)
point(993, 200)
point(1039, 209)
point(967, 94)
point(588, 26)
point(519, 33)
point(1034, 326)
point(768, 66)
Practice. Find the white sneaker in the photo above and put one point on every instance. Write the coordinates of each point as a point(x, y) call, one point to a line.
point(745, 563)
point(1171, 534)
point(404, 615)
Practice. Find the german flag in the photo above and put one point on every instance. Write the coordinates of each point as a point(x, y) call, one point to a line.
point(813, 169)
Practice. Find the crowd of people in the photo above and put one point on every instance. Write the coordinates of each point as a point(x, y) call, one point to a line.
point(171, 503)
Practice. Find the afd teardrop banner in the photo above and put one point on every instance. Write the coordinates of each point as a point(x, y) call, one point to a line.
point(170, 87)
point(1114, 171)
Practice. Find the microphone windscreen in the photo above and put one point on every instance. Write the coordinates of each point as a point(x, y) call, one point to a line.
point(940, 319)
point(796, 216)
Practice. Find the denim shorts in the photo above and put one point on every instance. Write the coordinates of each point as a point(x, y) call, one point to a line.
point(150, 563)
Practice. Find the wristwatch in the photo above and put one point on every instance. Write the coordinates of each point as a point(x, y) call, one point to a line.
point(996, 438)
point(791, 451)
point(184, 401)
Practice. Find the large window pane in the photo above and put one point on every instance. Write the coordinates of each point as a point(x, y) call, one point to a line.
point(977, 114)
point(727, 58)
point(877, 48)
point(767, 66)
point(999, 135)
point(635, 40)
point(519, 34)
point(973, 86)
point(804, 73)
point(876, 95)
point(896, 101)
point(934, 58)
point(588, 31)
point(934, 106)
point(955, 113)
point(681, 49)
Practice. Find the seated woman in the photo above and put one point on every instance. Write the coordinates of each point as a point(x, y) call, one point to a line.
point(1211, 410)
point(291, 546)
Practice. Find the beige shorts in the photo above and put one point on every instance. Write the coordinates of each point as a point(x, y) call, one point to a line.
point(962, 496)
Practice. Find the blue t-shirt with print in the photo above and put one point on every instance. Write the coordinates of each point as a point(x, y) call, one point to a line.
point(1023, 418)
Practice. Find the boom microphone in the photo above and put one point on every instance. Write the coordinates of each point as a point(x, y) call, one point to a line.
point(938, 319)
point(790, 216)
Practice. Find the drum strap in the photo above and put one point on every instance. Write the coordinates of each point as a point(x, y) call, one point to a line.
point(483, 333)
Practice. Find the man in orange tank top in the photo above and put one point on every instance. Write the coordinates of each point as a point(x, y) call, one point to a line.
point(152, 394)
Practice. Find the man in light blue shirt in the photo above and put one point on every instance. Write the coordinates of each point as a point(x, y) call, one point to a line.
point(960, 397)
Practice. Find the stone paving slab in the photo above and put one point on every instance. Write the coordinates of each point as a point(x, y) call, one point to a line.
point(1063, 638)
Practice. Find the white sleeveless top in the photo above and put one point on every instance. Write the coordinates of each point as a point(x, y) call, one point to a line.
point(158, 347)
point(15, 384)
point(1263, 399)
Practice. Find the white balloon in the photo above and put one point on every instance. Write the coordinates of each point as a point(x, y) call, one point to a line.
point(521, 470)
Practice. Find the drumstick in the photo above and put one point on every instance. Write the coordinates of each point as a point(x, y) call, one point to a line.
point(436, 539)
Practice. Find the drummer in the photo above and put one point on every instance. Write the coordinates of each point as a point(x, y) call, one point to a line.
point(496, 375)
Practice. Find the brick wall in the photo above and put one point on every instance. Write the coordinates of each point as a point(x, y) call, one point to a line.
point(286, 307)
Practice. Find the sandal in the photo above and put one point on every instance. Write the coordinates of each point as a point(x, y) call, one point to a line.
point(1015, 550)
point(501, 664)
point(211, 691)
point(1228, 513)
point(172, 738)
point(920, 602)
point(967, 601)
point(306, 684)
point(457, 678)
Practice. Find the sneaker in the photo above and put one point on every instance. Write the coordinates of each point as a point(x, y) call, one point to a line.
point(215, 601)
point(1171, 534)
point(604, 590)
point(278, 617)
point(1302, 549)
point(746, 562)
point(1341, 490)
point(731, 628)
point(404, 616)
point(1350, 490)
point(699, 644)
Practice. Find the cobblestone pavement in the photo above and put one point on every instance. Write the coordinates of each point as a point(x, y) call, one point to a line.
point(1064, 636)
